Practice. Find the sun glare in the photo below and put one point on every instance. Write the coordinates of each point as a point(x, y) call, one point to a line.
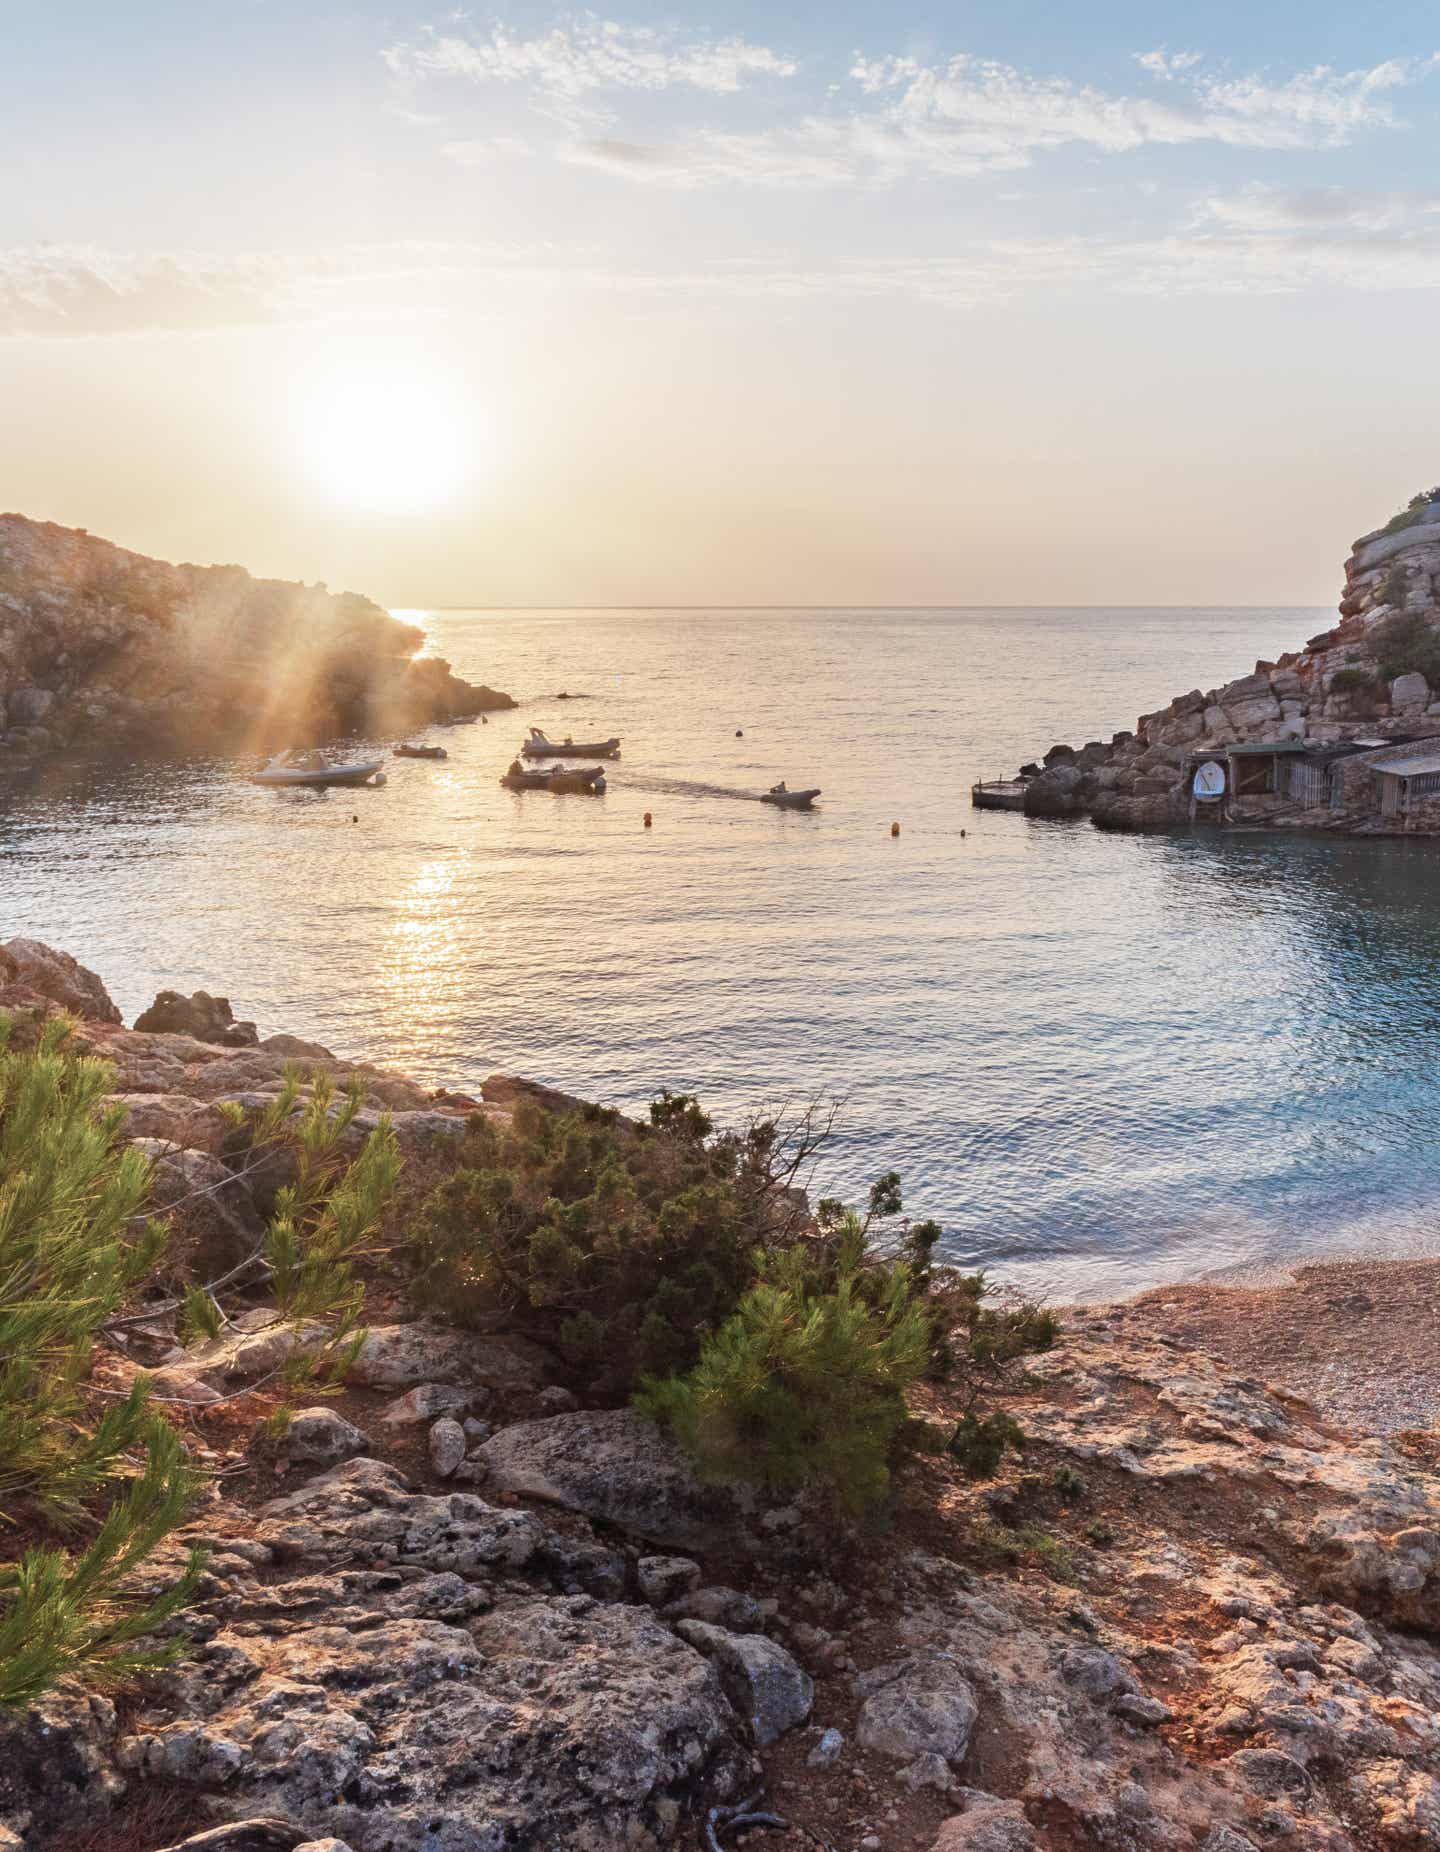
point(383, 441)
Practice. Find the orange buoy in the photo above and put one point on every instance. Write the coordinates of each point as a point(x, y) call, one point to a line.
point(647, 819)
point(894, 829)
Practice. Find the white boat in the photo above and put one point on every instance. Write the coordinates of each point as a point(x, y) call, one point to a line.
point(790, 800)
point(310, 768)
point(539, 746)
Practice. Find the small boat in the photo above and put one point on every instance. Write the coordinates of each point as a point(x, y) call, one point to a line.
point(421, 752)
point(538, 746)
point(457, 720)
point(558, 778)
point(310, 768)
point(790, 800)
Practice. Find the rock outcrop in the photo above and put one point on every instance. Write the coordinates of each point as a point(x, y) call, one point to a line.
point(1331, 695)
point(102, 649)
point(1194, 1616)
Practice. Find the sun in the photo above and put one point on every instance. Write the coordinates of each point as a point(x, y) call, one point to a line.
point(379, 437)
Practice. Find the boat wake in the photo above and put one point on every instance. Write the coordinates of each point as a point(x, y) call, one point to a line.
point(688, 787)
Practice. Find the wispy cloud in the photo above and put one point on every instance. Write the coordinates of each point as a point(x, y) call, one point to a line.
point(586, 54)
point(969, 116)
point(1256, 240)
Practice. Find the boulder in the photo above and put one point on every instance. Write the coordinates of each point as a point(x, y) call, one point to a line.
point(662, 1579)
point(988, 1825)
point(447, 1443)
point(760, 1678)
point(1259, 711)
point(217, 1207)
point(59, 977)
point(617, 1468)
point(403, 1356)
point(207, 1018)
point(423, 1403)
point(916, 1706)
point(1409, 691)
point(320, 1437)
point(545, 1723)
point(1055, 793)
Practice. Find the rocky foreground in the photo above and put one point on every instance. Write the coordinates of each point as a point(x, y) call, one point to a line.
point(456, 1610)
point(1331, 693)
point(105, 650)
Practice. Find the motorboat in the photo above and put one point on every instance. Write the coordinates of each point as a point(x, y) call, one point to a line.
point(540, 746)
point(557, 778)
point(312, 768)
point(421, 752)
point(457, 720)
point(790, 800)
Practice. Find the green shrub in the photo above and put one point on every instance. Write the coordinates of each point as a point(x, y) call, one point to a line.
point(618, 1245)
point(1405, 643)
point(806, 1382)
point(326, 1221)
point(73, 1243)
point(1413, 512)
point(1352, 681)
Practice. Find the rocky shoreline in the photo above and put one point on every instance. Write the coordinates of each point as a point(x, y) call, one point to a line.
point(456, 1609)
point(1303, 742)
point(107, 651)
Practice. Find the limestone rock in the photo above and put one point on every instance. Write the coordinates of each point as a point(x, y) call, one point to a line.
point(666, 1578)
point(760, 1678)
point(617, 1468)
point(916, 1706)
point(60, 978)
point(546, 1723)
point(207, 1018)
point(1409, 691)
point(216, 1205)
point(365, 1511)
point(988, 1826)
point(423, 1403)
point(827, 1751)
point(320, 1437)
point(446, 1445)
point(400, 1356)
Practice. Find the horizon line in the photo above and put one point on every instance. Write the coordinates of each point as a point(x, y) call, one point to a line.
point(1269, 606)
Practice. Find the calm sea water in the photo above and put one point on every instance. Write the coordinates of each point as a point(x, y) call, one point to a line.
point(1099, 1061)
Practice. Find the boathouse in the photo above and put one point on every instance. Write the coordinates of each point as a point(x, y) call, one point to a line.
point(1410, 784)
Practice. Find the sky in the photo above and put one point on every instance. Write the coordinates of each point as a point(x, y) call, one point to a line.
point(868, 304)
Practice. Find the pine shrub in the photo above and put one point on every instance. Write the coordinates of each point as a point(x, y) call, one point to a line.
point(805, 1383)
point(73, 1243)
point(619, 1245)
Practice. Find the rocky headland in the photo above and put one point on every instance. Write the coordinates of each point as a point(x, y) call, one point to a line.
point(102, 650)
point(465, 1606)
point(1368, 685)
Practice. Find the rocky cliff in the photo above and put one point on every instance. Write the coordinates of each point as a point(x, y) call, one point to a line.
point(1369, 678)
point(102, 649)
point(454, 1611)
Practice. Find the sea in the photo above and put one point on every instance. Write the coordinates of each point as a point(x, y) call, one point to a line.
point(1101, 1062)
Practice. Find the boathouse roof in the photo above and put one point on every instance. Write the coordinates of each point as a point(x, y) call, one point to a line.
point(1412, 767)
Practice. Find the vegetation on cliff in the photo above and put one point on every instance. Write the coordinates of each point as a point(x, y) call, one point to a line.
point(100, 648)
point(73, 1243)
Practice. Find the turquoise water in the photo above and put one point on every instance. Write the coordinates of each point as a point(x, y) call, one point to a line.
point(1099, 1061)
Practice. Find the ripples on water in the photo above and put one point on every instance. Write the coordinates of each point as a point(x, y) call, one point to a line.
point(1099, 1061)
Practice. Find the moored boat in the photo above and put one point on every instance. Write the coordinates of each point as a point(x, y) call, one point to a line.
point(312, 768)
point(540, 746)
point(420, 752)
point(557, 778)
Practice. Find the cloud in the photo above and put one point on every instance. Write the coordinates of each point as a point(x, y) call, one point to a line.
point(76, 291)
point(1320, 210)
point(1268, 240)
point(971, 116)
point(586, 54)
point(1168, 64)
